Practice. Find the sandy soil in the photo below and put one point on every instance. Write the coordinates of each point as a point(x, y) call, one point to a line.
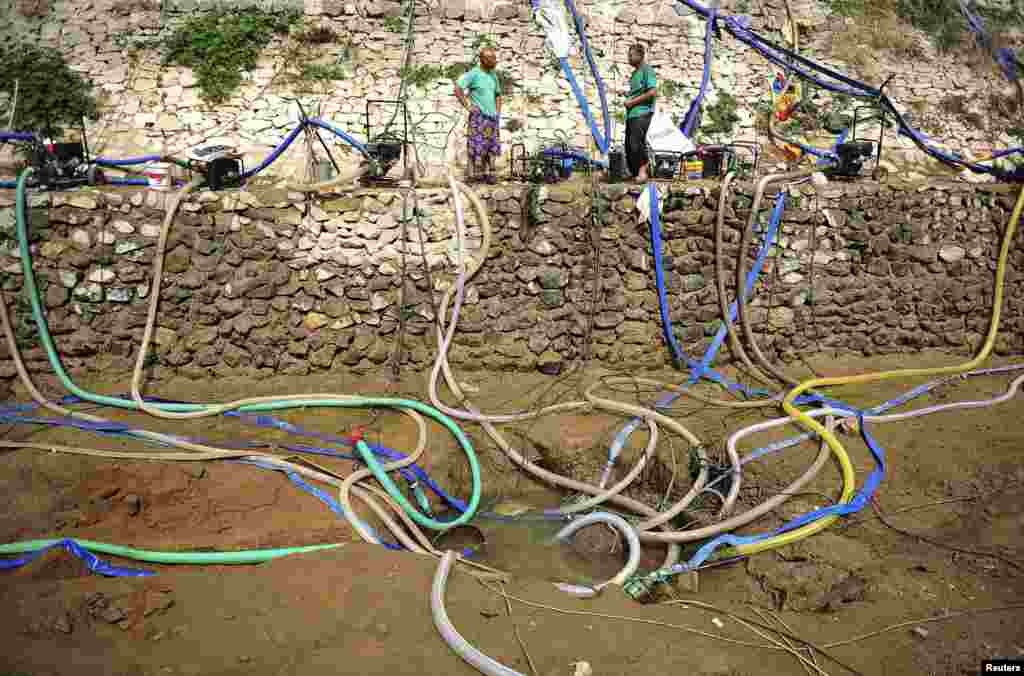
point(362, 609)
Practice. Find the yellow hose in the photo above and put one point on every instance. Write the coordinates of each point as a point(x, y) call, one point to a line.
point(833, 442)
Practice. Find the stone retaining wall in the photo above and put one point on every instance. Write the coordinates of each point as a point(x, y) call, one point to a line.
point(146, 105)
point(267, 282)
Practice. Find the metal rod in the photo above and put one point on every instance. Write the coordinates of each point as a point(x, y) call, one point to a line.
point(14, 106)
point(85, 143)
point(306, 127)
point(881, 126)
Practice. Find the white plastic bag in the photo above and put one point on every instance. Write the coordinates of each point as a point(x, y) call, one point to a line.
point(550, 14)
point(663, 136)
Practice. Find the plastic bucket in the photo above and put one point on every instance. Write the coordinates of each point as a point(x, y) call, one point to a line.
point(159, 175)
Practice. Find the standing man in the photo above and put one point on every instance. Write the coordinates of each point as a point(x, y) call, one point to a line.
point(484, 105)
point(643, 89)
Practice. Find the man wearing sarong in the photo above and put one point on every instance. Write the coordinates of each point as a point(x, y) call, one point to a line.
point(484, 106)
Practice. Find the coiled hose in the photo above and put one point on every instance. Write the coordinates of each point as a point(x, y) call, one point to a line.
point(619, 524)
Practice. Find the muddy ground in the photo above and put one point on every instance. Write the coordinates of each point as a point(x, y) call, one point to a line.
point(363, 609)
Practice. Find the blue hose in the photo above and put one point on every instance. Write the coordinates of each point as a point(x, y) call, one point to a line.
point(316, 122)
point(603, 141)
point(693, 114)
point(858, 503)
point(17, 136)
point(127, 162)
point(274, 154)
point(788, 59)
point(8, 184)
point(127, 181)
point(573, 155)
point(666, 320)
point(412, 474)
point(699, 370)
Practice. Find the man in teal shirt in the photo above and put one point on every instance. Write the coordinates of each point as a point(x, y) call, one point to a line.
point(643, 89)
point(483, 141)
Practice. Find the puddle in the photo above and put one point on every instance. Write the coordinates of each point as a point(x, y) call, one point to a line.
point(519, 539)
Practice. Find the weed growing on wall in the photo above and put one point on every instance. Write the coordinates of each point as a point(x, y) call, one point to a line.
point(221, 44)
point(721, 117)
point(49, 93)
point(307, 63)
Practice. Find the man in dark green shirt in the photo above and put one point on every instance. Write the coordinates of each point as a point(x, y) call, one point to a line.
point(643, 89)
point(479, 92)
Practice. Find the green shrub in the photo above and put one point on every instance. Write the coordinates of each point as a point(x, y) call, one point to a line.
point(49, 93)
point(221, 44)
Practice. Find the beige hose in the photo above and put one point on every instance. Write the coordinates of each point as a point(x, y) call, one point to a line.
point(735, 346)
point(752, 514)
point(333, 183)
point(666, 535)
point(652, 444)
point(741, 273)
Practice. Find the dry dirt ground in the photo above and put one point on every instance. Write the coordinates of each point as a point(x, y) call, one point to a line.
point(956, 479)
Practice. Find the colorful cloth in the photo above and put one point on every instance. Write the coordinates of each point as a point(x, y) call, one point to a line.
point(482, 137)
point(642, 81)
point(483, 88)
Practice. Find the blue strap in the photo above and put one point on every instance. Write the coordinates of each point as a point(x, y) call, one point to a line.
point(693, 114)
point(666, 320)
point(752, 275)
point(860, 500)
point(93, 562)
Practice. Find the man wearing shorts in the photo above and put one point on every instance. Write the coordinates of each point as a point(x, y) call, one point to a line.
point(483, 141)
point(643, 89)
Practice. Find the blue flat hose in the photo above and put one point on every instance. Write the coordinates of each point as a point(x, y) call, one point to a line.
point(8, 184)
point(360, 402)
point(700, 370)
point(693, 114)
point(16, 136)
point(603, 141)
point(703, 369)
point(414, 474)
point(666, 320)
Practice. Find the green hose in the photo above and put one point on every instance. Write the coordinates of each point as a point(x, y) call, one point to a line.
point(355, 402)
point(190, 558)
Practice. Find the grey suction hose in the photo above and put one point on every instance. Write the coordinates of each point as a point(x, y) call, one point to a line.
point(459, 645)
point(735, 346)
point(741, 273)
point(618, 523)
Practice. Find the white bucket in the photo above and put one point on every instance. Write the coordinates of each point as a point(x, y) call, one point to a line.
point(159, 175)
